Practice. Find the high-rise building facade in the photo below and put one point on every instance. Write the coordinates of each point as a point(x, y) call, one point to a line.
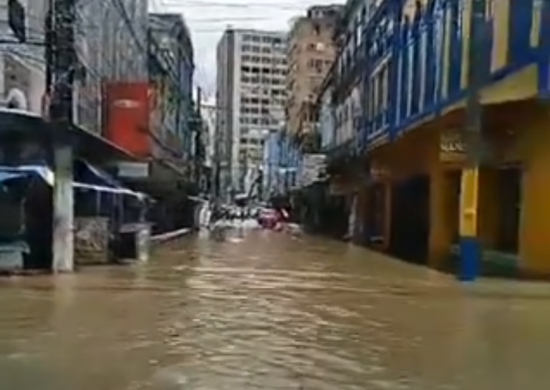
point(250, 96)
point(311, 52)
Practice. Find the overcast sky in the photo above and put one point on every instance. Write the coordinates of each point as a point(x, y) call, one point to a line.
point(207, 20)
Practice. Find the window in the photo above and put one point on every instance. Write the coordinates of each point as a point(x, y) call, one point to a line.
point(316, 29)
point(17, 19)
point(316, 65)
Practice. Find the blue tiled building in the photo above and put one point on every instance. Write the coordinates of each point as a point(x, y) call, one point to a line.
point(436, 166)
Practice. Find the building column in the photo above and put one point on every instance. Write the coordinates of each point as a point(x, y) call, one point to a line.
point(63, 209)
point(443, 217)
point(470, 245)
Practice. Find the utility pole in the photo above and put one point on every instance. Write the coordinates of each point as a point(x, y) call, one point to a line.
point(470, 249)
point(61, 64)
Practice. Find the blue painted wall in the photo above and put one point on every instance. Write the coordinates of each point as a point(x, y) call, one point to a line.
point(415, 62)
point(289, 160)
point(271, 162)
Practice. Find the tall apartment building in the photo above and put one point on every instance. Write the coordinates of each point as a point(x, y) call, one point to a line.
point(251, 66)
point(311, 51)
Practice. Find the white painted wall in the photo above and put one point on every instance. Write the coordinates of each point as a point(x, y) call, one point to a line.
point(22, 67)
point(346, 114)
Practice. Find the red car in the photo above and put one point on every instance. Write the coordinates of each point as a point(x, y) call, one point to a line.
point(268, 218)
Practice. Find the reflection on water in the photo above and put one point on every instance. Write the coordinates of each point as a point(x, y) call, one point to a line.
point(269, 311)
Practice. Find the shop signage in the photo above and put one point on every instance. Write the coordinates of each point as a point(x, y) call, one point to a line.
point(133, 170)
point(451, 146)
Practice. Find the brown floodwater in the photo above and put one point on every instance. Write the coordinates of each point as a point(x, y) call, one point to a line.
point(264, 310)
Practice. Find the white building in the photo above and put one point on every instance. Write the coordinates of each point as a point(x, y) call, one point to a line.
point(251, 67)
point(209, 114)
point(22, 67)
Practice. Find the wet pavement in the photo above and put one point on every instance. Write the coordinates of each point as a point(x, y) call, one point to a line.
point(264, 310)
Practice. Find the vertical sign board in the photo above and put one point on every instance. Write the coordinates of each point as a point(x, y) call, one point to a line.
point(312, 166)
point(128, 109)
point(133, 170)
point(469, 202)
point(451, 146)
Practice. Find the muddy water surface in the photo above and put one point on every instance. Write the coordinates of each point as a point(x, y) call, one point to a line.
point(268, 311)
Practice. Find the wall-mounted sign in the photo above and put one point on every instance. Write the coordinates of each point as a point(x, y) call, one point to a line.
point(133, 170)
point(126, 103)
point(452, 147)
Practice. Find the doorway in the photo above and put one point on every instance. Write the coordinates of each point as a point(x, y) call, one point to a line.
point(375, 215)
point(509, 208)
point(410, 219)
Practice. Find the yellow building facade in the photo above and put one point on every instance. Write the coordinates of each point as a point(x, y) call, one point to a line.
point(425, 200)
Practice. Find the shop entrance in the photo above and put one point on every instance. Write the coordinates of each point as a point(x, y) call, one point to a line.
point(410, 226)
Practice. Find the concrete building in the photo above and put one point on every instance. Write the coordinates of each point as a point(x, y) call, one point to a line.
point(171, 69)
point(209, 114)
point(22, 67)
point(450, 162)
point(107, 38)
point(311, 52)
point(111, 44)
point(250, 94)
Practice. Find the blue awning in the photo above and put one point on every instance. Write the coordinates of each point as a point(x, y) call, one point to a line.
point(84, 172)
point(45, 173)
point(6, 176)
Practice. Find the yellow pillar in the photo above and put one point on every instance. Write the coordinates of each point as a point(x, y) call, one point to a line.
point(534, 246)
point(535, 218)
point(470, 246)
point(443, 217)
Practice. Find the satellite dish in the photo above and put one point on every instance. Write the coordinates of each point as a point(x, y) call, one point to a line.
point(16, 99)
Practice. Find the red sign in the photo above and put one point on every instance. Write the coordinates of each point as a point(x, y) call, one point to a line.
point(127, 116)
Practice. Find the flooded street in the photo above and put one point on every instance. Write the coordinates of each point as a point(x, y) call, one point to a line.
point(268, 311)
